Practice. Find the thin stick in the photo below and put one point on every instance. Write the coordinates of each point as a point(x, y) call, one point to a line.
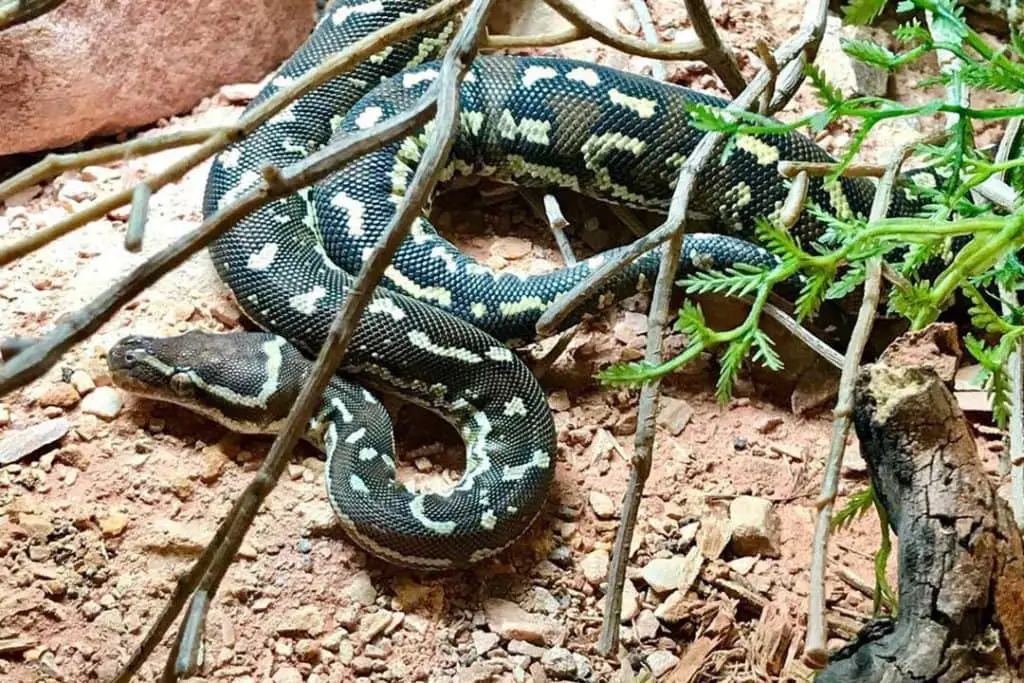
point(553, 39)
point(137, 217)
point(768, 59)
point(333, 66)
point(566, 304)
point(672, 229)
point(14, 12)
point(55, 164)
point(35, 360)
point(650, 33)
point(216, 558)
point(692, 49)
point(801, 333)
point(716, 55)
point(790, 169)
point(815, 649)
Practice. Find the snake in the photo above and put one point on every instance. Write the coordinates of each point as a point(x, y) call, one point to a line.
point(440, 329)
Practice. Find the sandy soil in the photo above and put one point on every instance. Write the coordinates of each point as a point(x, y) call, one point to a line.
point(94, 532)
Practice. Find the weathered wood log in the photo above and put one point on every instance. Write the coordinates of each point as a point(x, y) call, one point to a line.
point(961, 564)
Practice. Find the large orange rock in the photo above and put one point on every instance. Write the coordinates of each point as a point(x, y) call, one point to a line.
point(98, 66)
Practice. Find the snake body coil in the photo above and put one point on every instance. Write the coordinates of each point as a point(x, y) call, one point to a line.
point(433, 334)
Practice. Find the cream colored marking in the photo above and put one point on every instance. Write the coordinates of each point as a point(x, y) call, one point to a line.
point(288, 146)
point(387, 307)
point(764, 153)
point(643, 107)
point(477, 462)
point(368, 397)
point(262, 259)
point(488, 520)
point(450, 264)
point(342, 409)
point(356, 435)
point(837, 196)
point(515, 406)
point(282, 218)
point(368, 453)
point(527, 303)
point(380, 57)
point(478, 309)
point(344, 12)
point(597, 147)
point(400, 173)
point(331, 438)
point(531, 130)
point(499, 353)
point(246, 182)
point(519, 166)
point(354, 209)
point(605, 300)
point(282, 81)
point(409, 151)
point(472, 121)
point(595, 262)
point(540, 460)
point(231, 157)
point(357, 484)
point(584, 75)
point(676, 160)
point(286, 115)
point(439, 294)
point(368, 117)
point(532, 74)
point(410, 80)
point(416, 506)
point(420, 340)
point(306, 303)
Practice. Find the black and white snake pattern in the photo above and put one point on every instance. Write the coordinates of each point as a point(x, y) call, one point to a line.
point(437, 332)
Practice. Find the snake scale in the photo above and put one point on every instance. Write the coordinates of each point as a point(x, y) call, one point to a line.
point(437, 333)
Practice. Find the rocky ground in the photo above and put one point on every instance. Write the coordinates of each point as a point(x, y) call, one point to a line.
point(96, 527)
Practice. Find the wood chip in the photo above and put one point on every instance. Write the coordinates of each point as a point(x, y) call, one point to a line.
point(692, 660)
point(25, 442)
point(11, 646)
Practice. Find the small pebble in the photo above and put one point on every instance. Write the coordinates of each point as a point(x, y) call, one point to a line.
point(104, 402)
point(602, 505)
point(740, 443)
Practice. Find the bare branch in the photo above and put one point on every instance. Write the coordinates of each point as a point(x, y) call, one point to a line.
point(554, 39)
point(332, 66)
point(218, 554)
point(815, 649)
point(716, 54)
point(650, 33)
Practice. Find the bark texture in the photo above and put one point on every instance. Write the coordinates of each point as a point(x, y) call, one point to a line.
point(961, 567)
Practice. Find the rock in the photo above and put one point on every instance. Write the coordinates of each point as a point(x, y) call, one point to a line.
point(511, 621)
point(37, 527)
point(602, 505)
point(361, 589)
point(127, 65)
point(412, 594)
point(5, 416)
point(226, 313)
point(630, 600)
point(661, 662)
point(304, 621)
point(674, 414)
point(521, 647)
point(646, 626)
point(852, 77)
point(318, 518)
point(82, 382)
point(769, 424)
point(511, 248)
point(755, 527)
point(559, 401)
point(104, 402)
point(675, 608)
point(673, 573)
point(59, 394)
point(113, 524)
point(595, 567)
point(372, 625)
point(559, 663)
point(239, 93)
point(287, 674)
point(91, 610)
point(743, 565)
point(76, 191)
point(23, 443)
point(213, 461)
point(483, 642)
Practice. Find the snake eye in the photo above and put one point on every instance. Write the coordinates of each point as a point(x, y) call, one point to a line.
point(181, 384)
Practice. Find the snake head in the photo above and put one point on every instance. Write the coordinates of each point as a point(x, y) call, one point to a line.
point(246, 381)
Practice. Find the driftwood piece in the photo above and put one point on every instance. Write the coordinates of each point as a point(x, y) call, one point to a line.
point(961, 566)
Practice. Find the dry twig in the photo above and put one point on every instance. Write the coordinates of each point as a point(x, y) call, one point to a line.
point(211, 566)
point(671, 230)
point(650, 33)
point(815, 648)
